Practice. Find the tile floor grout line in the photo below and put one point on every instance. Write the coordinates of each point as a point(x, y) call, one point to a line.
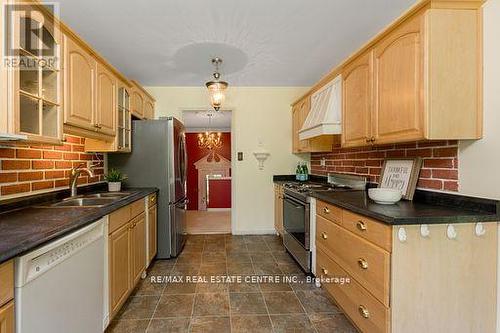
point(159, 299)
point(305, 311)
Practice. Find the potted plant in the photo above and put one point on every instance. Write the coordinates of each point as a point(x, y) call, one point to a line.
point(114, 179)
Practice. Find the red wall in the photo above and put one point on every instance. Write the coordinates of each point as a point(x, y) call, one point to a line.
point(194, 154)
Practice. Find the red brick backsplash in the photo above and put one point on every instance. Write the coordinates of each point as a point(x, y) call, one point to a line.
point(25, 169)
point(439, 170)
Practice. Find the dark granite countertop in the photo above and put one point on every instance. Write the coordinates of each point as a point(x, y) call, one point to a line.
point(427, 207)
point(24, 229)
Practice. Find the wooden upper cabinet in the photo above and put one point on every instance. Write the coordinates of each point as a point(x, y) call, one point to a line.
point(398, 70)
point(79, 88)
point(137, 102)
point(357, 101)
point(106, 100)
point(31, 83)
point(149, 109)
point(300, 111)
point(421, 80)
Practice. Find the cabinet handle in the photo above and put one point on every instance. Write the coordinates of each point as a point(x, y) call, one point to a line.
point(372, 139)
point(361, 225)
point(368, 140)
point(363, 263)
point(324, 235)
point(324, 270)
point(120, 147)
point(363, 311)
point(326, 210)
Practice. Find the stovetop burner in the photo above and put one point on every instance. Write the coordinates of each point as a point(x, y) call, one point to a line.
point(335, 183)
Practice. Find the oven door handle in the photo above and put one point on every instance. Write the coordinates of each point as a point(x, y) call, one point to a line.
point(295, 202)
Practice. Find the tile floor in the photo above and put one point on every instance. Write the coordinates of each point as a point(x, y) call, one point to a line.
point(229, 307)
point(208, 222)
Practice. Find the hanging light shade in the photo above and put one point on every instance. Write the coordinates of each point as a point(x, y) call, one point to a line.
point(210, 140)
point(217, 88)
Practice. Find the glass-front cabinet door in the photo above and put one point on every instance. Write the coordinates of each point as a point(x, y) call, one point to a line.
point(124, 120)
point(35, 77)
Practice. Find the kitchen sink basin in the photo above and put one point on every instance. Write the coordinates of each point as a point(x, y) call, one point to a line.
point(106, 195)
point(84, 202)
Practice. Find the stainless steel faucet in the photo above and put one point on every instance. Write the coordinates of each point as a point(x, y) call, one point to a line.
point(75, 173)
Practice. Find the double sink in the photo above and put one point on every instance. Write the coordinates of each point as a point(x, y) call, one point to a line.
point(90, 200)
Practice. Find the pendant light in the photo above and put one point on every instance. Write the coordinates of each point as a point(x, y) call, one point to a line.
point(216, 88)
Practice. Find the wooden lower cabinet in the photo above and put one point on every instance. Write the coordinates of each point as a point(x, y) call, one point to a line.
point(7, 297)
point(416, 284)
point(152, 232)
point(138, 249)
point(367, 313)
point(127, 252)
point(7, 318)
point(119, 267)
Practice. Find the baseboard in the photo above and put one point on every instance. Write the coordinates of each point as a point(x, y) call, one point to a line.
point(255, 232)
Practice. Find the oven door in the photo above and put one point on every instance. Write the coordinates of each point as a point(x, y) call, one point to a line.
point(296, 220)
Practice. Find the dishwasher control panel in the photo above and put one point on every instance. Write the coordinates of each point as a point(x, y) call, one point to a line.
point(41, 260)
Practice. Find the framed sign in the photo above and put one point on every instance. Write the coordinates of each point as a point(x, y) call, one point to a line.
point(401, 174)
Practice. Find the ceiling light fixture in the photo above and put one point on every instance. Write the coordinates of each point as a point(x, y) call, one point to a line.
point(216, 88)
point(210, 140)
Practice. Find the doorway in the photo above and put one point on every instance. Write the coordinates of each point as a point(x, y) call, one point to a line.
point(208, 143)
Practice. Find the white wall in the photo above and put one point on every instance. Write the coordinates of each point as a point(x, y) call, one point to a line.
point(480, 160)
point(259, 114)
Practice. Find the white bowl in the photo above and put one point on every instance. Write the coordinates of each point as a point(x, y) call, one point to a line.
point(385, 196)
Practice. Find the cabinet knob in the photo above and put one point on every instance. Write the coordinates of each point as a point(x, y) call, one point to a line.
point(368, 140)
point(363, 263)
point(361, 225)
point(324, 270)
point(372, 139)
point(324, 235)
point(363, 311)
point(326, 210)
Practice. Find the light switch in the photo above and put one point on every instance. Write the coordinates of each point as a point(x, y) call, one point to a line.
point(240, 156)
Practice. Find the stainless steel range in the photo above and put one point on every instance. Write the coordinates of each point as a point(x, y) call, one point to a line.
point(296, 212)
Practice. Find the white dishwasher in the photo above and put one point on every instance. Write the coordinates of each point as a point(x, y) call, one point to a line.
point(60, 287)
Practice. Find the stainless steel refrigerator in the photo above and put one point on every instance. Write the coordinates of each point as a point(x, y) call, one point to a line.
point(159, 159)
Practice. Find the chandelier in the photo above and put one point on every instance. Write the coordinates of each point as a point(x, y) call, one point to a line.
point(210, 140)
point(216, 88)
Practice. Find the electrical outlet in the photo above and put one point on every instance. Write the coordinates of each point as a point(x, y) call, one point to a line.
point(323, 162)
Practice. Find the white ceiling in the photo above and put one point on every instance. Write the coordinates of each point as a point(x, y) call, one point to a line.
point(262, 42)
point(198, 120)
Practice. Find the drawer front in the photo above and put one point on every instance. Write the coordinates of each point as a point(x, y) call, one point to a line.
point(367, 263)
point(137, 208)
point(119, 218)
point(376, 232)
point(152, 199)
point(330, 212)
point(6, 282)
point(367, 313)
